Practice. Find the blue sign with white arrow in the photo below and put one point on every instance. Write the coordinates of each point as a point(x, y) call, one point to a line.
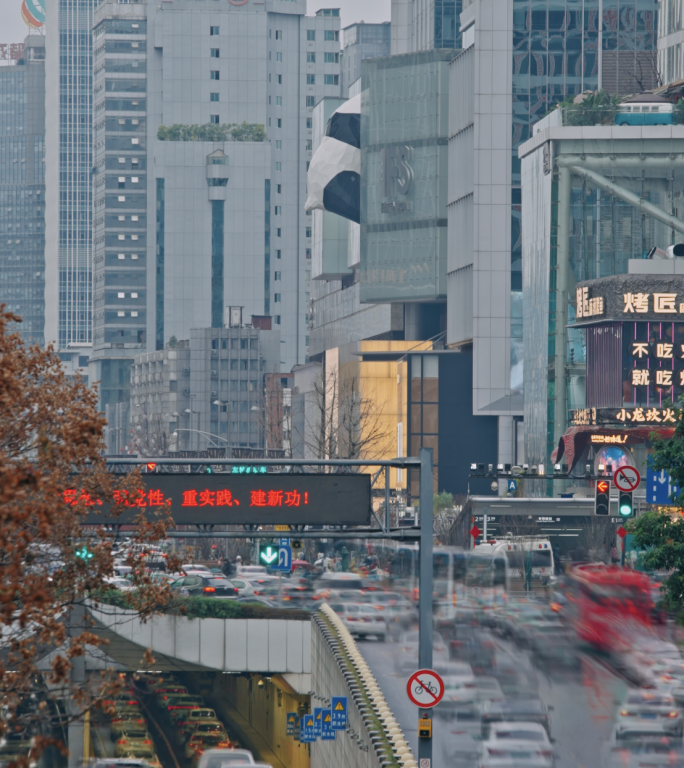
point(660, 488)
point(284, 560)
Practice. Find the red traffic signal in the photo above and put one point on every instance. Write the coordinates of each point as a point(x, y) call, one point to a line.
point(602, 502)
point(603, 486)
point(151, 466)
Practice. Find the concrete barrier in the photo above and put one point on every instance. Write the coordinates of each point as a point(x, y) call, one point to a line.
point(228, 645)
point(373, 738)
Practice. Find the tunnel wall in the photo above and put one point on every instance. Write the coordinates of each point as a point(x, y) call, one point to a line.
point(265, 708)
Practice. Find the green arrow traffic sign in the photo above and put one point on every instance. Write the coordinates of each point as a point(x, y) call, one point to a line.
point(268, 555)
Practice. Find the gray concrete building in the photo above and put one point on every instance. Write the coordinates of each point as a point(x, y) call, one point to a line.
point(184, 227)
point(68, 191)
point(203, 392)
point(362, 41)
point(22, 188)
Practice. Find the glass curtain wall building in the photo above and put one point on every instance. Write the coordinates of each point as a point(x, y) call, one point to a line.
point(69, 131)
point(22, 189)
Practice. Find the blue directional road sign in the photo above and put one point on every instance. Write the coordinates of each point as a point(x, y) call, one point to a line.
point(659, 487)
point(327, 733)
point(306, 729)
point(339, 713)
point(284, 543)
point(291, 723)
point(284, 560)
point(512, 486)
point(318, 721)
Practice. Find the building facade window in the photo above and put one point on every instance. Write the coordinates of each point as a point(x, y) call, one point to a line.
point(310, 101)
point(331, 79)
point(311, 79)
point(331, 58)
point(310, 34)
point(215, 74)
point(331, 36)
point(213, 30)
point(214, 119)
point(217, 221)
point(276, 298)
point(213, 97)
point(215, 53)
point(279, 56)
point(310, 57)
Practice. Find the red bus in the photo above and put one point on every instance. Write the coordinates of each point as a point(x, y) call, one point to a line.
point(608, 605)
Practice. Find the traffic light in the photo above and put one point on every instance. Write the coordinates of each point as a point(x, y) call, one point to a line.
point(208, 471)
point(151, 466)
point(84, 553)
point(625, 505)
point(602, 505)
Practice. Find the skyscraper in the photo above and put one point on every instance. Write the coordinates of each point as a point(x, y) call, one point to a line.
point(421, 25)
point(22, 188)
point(191, 214)
point(362, 41)
point(68, 191)
point(519, 60)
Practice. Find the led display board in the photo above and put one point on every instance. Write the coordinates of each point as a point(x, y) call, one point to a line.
point(243, 499)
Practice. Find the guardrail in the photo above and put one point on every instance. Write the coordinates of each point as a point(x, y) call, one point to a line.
point(371, 725)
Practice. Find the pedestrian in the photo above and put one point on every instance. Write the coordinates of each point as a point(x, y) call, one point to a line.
point(614, 556)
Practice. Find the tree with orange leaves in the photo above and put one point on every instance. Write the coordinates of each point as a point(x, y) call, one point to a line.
point(51, 440)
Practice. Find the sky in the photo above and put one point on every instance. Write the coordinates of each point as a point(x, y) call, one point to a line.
point(13, 29)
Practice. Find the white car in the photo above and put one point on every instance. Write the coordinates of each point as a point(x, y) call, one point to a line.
point(517, 745)
point(254, 586)
point(252, 571)
point(195, 568)
point(222, 758)
point(460, 687)
point(361, 620)
point(116, 582)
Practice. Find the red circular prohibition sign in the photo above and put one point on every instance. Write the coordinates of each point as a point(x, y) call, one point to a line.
point(425, 688)
point(627, 479)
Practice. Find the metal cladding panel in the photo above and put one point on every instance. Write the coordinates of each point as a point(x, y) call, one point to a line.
point(604, 365)
point(245, 499)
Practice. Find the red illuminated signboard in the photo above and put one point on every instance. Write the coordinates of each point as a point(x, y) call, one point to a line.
point(236, 499)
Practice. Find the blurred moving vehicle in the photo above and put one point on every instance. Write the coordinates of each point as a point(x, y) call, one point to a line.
point(222, 758)
point(634, 749)
point(517, 745)
point(607, 604)
point(525, 709)
point(640, 706)
point(361, 620)
point(406, 657)
point(204, 586)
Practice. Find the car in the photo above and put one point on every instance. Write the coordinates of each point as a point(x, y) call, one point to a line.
point(195, 568)
point(118, 762)
point(176, 705)
point(338, 580)
point(208, 585)
point(517, 745)
point(649, 705)
point(539, 632)
point(361, 620)
point(199, 741)
point(253, 587)
point(527, 709)
point(460, 687)
point(222, 758)
point(406, 659)
point(123, 720)
point(488, 689)
point(633, 750)
point(163, 694)
point(186, 725)
point(131, 737)
point(119, 583)
point(145, 753)
point(252, 571)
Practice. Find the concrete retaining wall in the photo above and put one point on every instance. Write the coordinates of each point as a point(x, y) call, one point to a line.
point(229, 645)
point(373, 738)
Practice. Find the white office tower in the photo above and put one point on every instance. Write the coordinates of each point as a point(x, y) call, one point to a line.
point(68, 164)
point(194, 211)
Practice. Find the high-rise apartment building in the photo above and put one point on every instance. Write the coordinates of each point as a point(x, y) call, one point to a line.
point(68, 168)
point(362, 41)
point(197, 216)
point(671, 41)
point(22, 188)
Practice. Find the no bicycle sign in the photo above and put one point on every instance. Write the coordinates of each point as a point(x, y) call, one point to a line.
point(425, 688)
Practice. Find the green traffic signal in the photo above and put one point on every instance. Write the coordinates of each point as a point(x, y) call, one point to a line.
point(84, 554)
point(625, 504)
point(208, 471)
point(268, 553)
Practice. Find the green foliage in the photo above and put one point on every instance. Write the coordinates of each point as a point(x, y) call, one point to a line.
point(212, 132)
point(662, 536)
point(442, 502)
point(596, 109)
point(173, 342)
point(209, 608)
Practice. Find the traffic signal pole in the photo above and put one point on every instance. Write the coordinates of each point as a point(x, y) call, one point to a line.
point(426, 586)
